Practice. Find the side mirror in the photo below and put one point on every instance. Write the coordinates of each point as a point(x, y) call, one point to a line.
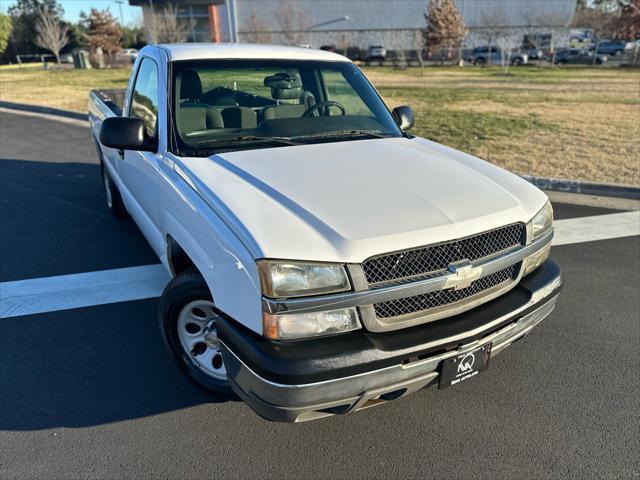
point(404, 117)
point(126, 133)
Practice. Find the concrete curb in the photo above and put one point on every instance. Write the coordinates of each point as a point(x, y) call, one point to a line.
point(543, 183)
point(47, 110)
point(585, 188)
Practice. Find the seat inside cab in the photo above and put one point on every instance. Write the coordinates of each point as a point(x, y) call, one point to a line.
point(285, 86)
point(224, 108)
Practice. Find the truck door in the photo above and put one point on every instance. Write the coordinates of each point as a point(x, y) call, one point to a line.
point(140, 170)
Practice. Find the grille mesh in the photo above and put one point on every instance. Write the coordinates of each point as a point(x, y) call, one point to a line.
point(427, 301)
point(424, 261)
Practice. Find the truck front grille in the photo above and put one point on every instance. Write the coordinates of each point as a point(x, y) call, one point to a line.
point(411, 265)
point(433, 300)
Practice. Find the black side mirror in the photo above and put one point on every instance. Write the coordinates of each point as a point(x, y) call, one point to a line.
point(404, 117)
point(126, 133)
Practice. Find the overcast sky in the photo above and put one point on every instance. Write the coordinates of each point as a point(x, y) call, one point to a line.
point(72, 9)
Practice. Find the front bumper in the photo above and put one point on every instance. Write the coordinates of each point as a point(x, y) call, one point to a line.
point(310, 379)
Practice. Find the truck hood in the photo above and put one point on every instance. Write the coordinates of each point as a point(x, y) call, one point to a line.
point(347, 201)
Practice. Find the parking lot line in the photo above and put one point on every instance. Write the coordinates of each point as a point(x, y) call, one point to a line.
point(64, 292)
point(598, 227)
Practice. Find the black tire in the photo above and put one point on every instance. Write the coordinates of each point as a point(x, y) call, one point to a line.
point(183, 289)
point(112, 196)
point(480, 62)
point(517, 62)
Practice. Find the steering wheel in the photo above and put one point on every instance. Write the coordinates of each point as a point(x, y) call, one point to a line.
point(328, 104)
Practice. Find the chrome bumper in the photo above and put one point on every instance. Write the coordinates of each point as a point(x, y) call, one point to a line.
point(303, 402)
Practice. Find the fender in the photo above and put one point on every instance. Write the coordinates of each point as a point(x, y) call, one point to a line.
point(226, 265)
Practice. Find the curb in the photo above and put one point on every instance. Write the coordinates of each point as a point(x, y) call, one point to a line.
point(48, 110)
point(584, 187)
point(543, 183)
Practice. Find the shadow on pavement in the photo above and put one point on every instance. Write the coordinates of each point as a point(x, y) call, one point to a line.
point(89, 367)
point(55, 221)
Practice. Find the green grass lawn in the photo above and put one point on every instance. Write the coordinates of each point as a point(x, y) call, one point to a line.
point(580, 123)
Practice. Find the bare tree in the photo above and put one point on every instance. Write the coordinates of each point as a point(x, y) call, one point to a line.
point(257, 29)
point(418, 44)
point(507, 44)
point(493, 23)
point(168, 27)
point(293, 22)
point(555, 26)
point(51, 34)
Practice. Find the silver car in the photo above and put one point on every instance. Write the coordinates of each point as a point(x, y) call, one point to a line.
point(481, 56)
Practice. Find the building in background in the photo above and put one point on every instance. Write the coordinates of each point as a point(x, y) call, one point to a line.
point(396, 24)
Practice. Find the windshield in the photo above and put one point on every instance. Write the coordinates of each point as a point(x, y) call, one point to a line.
point(237, 104)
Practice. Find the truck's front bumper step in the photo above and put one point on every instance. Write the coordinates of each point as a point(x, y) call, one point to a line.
point(407, 369)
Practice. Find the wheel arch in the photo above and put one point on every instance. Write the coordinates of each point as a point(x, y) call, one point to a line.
point(178, 260)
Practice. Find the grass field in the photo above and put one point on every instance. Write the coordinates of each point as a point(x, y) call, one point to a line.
point(570, 123)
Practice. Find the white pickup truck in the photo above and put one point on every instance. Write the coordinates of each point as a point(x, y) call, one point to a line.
point(324, 260)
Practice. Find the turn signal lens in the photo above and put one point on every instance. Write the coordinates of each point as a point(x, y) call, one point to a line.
point(534, 261)
point(303, 325)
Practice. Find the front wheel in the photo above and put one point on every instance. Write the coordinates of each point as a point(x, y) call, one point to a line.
point(188, 319)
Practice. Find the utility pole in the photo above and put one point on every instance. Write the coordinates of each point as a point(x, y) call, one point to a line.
point(120, 2)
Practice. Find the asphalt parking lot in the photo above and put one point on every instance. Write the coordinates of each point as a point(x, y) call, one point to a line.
point(91, 392)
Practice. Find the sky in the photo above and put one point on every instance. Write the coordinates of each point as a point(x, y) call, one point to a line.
point(72, 9)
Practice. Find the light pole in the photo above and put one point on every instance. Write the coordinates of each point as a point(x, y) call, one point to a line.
point(120, 2)
point(328, 22)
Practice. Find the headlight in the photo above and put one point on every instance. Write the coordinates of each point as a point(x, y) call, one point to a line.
point(542, 221)
point(294, 279)
point(539, 225)
point(303, 325)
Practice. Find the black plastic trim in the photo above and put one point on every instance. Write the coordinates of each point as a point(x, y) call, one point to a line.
point(314, 360)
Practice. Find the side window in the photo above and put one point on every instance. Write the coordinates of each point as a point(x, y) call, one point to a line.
point(339, 90)
point(144, 101)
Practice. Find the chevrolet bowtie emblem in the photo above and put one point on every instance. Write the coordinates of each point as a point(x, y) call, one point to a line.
point(462, 275)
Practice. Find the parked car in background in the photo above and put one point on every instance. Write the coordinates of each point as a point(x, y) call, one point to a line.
point(127, 54)
point(533, 53)
point(578, 56)
point(353, 53)
point(481, 56)
point(377, 52)
point(609, 47)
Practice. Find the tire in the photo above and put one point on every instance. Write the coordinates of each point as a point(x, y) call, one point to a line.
point(112, 196)
point(517, 62)
point(187, 315)
point(480, 62)
point(617, 53)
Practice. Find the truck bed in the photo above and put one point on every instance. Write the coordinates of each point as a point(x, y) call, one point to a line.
point(109, 102)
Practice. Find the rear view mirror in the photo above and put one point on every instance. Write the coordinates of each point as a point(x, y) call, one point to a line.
point(404, 117)
point(126, 133)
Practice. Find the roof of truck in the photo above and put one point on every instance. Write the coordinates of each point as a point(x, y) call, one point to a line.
point(197, 51)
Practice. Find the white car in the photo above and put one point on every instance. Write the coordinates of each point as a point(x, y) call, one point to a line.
point(324, 259)
point(128, 54)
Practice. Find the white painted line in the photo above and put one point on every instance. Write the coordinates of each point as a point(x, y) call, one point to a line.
point(599, 227)
point(47, 116)
point(64, 292)
point(50, 294)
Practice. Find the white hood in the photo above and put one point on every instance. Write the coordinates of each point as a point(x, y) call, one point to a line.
point(347, 201)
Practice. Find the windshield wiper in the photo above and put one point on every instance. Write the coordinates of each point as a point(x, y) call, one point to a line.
point(247, 139)
point(345, 133)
